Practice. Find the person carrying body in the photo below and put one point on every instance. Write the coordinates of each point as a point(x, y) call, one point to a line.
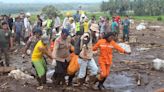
point(39, 61)
point(86, 60)
point(61, 53)
point(106, 47)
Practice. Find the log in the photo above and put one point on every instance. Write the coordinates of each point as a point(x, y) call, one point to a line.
point(6, 69)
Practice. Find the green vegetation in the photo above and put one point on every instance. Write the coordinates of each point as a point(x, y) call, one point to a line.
point(134, 7)
point(98, 14)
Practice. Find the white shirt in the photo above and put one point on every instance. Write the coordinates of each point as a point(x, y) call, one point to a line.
point(57, 22)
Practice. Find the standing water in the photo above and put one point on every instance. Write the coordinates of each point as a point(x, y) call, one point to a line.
point(121, 82)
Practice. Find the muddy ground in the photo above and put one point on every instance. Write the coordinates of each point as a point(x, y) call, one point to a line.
point(137, 75)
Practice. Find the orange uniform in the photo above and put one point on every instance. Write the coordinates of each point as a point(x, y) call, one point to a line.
point(105, 57)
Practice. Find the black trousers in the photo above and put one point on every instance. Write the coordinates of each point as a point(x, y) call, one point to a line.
point(60, 72)
point(6, 54)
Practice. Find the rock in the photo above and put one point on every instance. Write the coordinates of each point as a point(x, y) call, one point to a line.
point(158, 64)
point(40, 88)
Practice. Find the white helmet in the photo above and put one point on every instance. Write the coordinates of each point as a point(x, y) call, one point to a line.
point(28, 14)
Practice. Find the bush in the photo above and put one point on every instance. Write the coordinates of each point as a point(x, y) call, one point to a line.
point(159, 18)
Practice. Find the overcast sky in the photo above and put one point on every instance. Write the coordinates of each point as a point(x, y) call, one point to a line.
point(50, 1)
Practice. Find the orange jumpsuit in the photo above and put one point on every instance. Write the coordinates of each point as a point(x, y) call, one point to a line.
point(105, 57)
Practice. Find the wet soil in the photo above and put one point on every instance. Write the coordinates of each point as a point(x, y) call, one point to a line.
point(136, 75)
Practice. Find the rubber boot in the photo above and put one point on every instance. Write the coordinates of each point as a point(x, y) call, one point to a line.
point(80, 82)
point(93, 79)
point(70, 80)
point(100, 85)
point(43, 79)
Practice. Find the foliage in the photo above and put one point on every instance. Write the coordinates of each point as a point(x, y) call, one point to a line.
point(159, 18)
point(50, 11)
point(139, 7)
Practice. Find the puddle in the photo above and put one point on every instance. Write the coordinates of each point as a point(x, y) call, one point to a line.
point(121, 82)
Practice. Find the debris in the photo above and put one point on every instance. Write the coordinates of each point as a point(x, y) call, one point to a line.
point(133, 39)
point(142, 49)
point(154, 27)
point(3, 85)
point(6, 69)
point(39, 88)
point(141, 27)
point(139, 80)
point(17, 74)
point(158, 64)
point(120, 69)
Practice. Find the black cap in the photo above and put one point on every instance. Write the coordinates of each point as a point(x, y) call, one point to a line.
point(108, 35)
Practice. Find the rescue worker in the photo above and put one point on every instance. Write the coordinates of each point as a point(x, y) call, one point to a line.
point(61, 53)
point(86, 60)
point(38, 60)
point(37, 33)
point(106, 47)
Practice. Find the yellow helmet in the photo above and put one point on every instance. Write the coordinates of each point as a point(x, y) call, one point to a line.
point(68, 14)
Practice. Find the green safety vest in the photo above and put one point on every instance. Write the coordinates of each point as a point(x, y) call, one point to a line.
point(77, 26)
point(49, 23)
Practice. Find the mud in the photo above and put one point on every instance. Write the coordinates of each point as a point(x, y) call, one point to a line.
point(136, 75)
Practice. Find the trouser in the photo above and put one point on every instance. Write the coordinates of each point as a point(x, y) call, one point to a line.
point(49, 33)
point(41, 69)
point(19, 36)
point(60, 72)
point(104, 71)
point(125, 35)
point(70, 79)
point(6, 54)
point(84, 65)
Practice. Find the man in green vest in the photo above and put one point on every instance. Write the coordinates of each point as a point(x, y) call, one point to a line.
point(49, 26)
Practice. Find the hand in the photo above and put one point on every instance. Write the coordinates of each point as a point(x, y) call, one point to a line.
point(127, 52)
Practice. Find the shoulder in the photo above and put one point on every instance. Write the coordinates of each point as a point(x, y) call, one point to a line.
point(101, 41)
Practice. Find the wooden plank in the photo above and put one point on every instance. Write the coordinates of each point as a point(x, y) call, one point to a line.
point(6, 69)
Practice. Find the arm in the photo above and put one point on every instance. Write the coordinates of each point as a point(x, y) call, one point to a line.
point(25, 23)
point(117, 47)
point(96, 46)
point(54, 52)
point(27, 46)
point(45, 51)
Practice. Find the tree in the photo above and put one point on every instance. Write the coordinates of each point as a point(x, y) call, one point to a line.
point(50, 10)
point(139, 7)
